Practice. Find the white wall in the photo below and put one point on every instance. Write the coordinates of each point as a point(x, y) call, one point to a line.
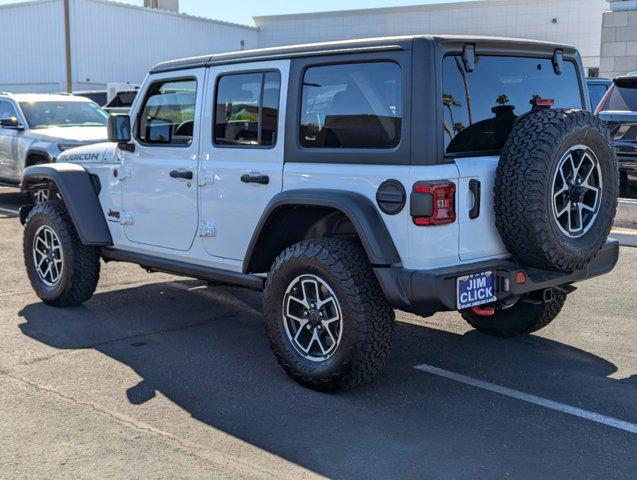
point(32, 47)
point(118, 43)
point(579, 23)
point(110, 42)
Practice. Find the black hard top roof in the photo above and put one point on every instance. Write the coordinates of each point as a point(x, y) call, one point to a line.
point(353, 46)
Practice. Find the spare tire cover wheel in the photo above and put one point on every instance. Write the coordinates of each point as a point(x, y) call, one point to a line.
point(556, 189)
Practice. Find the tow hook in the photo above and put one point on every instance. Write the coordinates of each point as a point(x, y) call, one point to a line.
point(547, 295)
point(483, 312)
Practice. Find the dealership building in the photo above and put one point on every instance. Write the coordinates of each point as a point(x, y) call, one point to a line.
point(47, 44)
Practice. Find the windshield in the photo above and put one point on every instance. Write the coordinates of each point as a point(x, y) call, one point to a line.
point(63, 114)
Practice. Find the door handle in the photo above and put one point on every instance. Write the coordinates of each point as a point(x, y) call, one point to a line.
point(474, 187)
point(181, 173)
point(255, 177)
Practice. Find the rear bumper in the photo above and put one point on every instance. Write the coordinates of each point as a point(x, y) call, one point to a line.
point(425, 292)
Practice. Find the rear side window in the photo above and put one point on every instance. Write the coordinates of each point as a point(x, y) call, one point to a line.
point(168, 114)
point(480, 106)
point(622, 99)
point(247, 109)
point(357, 105)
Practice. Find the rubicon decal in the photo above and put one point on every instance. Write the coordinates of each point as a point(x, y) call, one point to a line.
point(86, 157)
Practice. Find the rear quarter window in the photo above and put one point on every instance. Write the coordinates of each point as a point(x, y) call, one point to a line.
point(480, 106)
point(622, 99)
point(355, 105)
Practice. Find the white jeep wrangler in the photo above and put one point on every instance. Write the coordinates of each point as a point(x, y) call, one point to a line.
point(345, 179)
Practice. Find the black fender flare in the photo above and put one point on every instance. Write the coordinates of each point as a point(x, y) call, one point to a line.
point(369, 225)
point(80, 196)
point(37, 151)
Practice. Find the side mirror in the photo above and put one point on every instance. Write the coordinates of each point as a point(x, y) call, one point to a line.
point(119, 129)
point(11, 122)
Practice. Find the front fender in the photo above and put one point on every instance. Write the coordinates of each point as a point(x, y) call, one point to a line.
point(79, 194)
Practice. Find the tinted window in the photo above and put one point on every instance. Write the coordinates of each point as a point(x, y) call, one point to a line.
point(97, 97)
point(623, 99)
point(168, 113)
point(596, 92)
point(63, 114)
point(247, 109)
point(7, 110)
point(481, 106)
point(122, 99)
point(356, 105)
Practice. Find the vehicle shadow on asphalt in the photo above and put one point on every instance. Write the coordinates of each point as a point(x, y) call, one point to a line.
point(206, 350)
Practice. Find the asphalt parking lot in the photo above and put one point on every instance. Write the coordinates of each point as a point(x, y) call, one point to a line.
point(163, 377)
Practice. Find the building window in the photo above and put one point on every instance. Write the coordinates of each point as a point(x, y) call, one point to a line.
point(247, 109)
point(168, 113)
point(357, 105)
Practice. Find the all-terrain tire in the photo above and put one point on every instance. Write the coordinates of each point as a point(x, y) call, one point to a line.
point(528, 315)
point(367, 318)
point(80, 268)
point(523, 190)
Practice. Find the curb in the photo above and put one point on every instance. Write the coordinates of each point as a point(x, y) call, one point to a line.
point(626, 213)
point(627, 236)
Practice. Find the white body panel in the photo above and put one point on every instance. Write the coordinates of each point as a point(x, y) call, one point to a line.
point(234, 207)
point(163, 209)
point(167, 213)
point(479, 237)
point(418, 247)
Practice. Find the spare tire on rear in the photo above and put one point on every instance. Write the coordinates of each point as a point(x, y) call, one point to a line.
point(556, 189)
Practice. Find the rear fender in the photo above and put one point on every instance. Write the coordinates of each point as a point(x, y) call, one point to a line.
point(363, 215)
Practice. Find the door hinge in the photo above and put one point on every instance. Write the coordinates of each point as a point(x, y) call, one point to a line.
point(207, 229)
point(206, 177)
point(125, 218)
point(122, 173)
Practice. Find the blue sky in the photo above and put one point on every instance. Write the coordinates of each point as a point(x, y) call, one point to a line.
point(243, 10)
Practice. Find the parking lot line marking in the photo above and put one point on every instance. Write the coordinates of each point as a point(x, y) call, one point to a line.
point(527, 397)
point(6, 210)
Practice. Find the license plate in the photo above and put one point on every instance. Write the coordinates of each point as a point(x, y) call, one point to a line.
point(475, 289)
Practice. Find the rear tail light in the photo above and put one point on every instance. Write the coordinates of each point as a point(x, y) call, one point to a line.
point(433, 203)
point(604, 100)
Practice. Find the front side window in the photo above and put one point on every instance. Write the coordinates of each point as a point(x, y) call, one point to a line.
point(356, 105)
point(47, 114)
point(247, 109)
point(7, 110)
point(168, 114)
point(481, 106)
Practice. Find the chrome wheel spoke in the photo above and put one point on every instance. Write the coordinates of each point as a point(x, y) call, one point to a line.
point(313, 322)
point(564, 210)
point(48, 257)
point(587, 207)
point(576, 191)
